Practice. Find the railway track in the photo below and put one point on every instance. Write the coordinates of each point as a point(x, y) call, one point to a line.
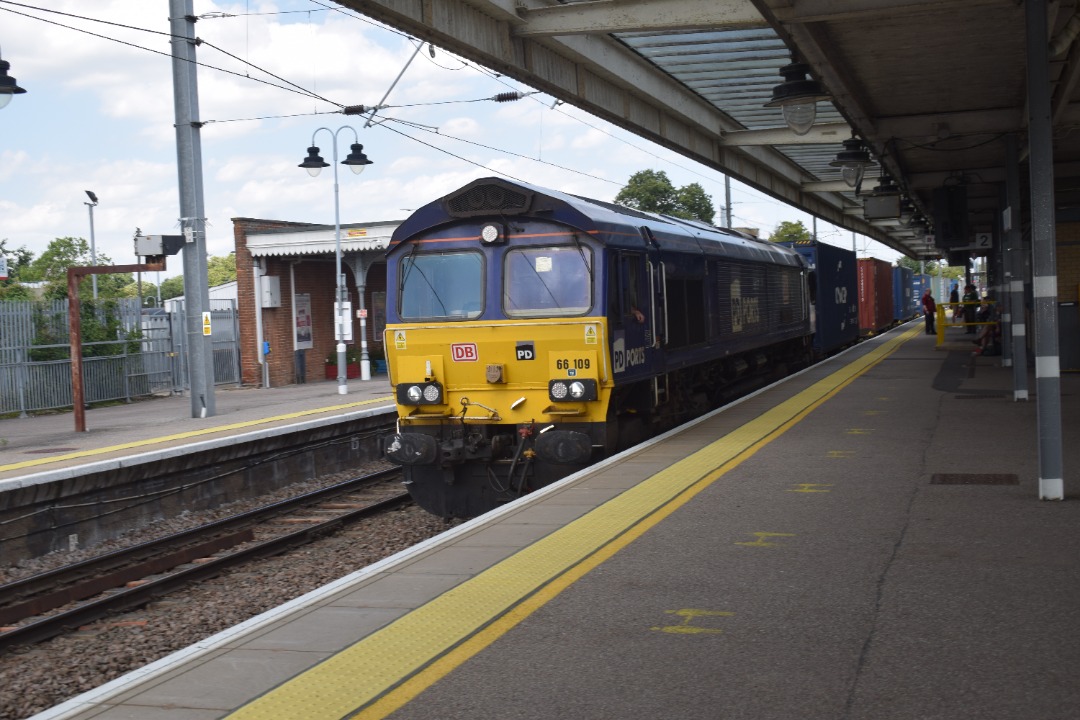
point(134, 576)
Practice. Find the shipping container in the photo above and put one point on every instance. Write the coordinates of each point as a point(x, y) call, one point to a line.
point(919, 285)
point(905, 304)
point(834, 294)
point(875, 296)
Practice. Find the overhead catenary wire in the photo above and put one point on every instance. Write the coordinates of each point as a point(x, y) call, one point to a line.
point(284, 84)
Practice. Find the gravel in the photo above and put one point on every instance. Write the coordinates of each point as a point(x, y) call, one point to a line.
point(40, 676)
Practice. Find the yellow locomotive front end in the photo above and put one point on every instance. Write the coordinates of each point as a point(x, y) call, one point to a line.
point(490, 410)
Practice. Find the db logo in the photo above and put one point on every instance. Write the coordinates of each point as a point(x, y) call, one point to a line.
point(464, 352)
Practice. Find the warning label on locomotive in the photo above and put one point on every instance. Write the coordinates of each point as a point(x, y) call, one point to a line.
point(590, 334)
point(464, 352)
point(399, 340)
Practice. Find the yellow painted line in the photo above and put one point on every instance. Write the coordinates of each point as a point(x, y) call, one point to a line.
point(185, 435)
point(384, 671)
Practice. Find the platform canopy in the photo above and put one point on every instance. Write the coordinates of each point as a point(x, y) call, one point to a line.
point(930, 86)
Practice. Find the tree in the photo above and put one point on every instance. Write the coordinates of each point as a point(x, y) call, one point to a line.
point(788, 231)
point(696, 203)
point(220, 270)
point(62, 253)
point(652, 191)
point(18, 260)
point(172, 287)
point(931, 268)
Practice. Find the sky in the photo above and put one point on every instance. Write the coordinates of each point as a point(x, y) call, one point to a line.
point(98, 115)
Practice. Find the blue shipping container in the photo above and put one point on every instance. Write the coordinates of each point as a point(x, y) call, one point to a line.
point(834, 293)
point(904, 305)
point(919, 284)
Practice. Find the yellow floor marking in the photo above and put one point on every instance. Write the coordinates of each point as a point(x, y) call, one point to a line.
point(762, 542)
point(811, 488)
point(184, 435)
point(840, 453)
point(860, 431)
point(689, 615)
point(873, 412)
point(385, 670)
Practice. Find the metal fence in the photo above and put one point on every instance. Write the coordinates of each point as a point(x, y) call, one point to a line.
point(147, 357)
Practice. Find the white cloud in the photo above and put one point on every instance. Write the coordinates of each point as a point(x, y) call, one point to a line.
point(99, 115)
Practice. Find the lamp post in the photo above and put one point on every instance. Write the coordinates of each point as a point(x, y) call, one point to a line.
point(8, 88)
point(93, 251)
point(356, 161)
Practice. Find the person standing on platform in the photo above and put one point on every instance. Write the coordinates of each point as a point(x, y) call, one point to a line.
point(929, 308)
point(971, 297)
point(954, 302)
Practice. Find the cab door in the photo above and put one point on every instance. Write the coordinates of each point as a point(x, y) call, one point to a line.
point(631, 312)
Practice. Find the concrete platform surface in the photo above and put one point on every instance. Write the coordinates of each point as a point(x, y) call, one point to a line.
point(44, 442)
point(862, 541)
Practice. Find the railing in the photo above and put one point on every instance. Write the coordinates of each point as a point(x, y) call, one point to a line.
point(942, 314)
point(150, 360)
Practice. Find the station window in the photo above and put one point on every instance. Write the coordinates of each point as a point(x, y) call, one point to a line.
point(443, 286)
point(550, 281)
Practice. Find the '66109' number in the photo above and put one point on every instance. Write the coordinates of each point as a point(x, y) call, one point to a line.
point(575, 364)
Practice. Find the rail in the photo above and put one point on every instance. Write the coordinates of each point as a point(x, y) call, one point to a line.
point(942, 315)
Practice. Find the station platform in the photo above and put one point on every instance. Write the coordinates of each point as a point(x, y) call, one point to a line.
point(862, 541)
point(46, 447)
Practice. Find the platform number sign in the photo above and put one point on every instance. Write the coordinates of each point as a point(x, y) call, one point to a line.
point(984, 241)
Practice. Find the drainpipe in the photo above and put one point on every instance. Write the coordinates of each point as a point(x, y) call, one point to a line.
point(264, 371)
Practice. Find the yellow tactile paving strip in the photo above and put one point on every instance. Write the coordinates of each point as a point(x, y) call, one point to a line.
point(185, 435)
point(382, 672)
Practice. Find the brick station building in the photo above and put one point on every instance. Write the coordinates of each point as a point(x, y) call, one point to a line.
point(286, 292)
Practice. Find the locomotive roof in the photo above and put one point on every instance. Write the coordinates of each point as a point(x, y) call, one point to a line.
point(608, 223)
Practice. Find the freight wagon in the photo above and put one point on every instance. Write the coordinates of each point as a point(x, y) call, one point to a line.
point(875, 296)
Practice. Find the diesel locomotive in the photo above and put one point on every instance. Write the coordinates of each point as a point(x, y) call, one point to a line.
point(530, 332)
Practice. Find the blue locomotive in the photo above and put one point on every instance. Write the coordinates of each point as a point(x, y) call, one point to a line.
point(530, 332)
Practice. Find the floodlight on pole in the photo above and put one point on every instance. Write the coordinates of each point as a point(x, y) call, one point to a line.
point(314, 164)
point(93, 250)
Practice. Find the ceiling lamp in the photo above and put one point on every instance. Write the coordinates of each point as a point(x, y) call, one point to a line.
point(907, 212)
point(798, 96)
point(886, 186)
point(853, 161)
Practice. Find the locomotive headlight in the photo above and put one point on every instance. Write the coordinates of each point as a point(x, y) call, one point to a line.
point(572, 390)
point(430, 393)
point(490, 233)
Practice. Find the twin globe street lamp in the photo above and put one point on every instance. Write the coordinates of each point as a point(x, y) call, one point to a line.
point(8, 88)
point(356, 161)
